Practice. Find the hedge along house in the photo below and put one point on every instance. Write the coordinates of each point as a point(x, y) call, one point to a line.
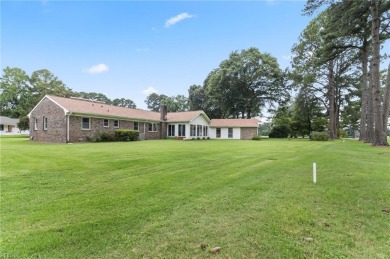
point(233, 128)
point(61, 120)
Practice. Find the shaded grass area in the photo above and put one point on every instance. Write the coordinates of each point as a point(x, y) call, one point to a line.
point(163, 198)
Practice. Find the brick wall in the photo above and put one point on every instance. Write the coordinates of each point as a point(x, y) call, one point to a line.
point(56, 130)
point(77, 134)
point(248, 133)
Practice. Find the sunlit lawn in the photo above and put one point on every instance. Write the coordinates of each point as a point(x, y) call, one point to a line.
point(164, 198)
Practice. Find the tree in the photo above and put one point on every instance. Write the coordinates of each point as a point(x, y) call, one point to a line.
point(122, 102)
point(305, 109)
point(330, 76)
point(196, 97)
point(23, 123)
point(96, 97)
point(244, 83)
point(15, 97)
point(367, 21)
point(44, 82)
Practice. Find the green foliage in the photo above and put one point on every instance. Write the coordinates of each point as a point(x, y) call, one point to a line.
point(24, 123)
point(319, 136)
point(126, 135)
point(342, 133)
point(280, 131)
point(177, 103)
point(243, 83)
point(319, 124)
point(256, 137)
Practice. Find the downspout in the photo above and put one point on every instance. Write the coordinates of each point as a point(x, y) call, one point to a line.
point(67, 127)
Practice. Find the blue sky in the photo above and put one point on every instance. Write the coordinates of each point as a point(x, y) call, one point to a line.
point(132, 48)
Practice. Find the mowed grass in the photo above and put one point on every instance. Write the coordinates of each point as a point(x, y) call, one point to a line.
point(254, 199)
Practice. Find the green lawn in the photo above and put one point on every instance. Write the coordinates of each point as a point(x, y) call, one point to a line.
point(164, 198)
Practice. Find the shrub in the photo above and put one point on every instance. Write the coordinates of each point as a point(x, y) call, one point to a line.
point(280, 131)
point(256, 137)
point(208, 137)
point(126, 135)
point(105, 137)
point(342, 133)
point(319, 136)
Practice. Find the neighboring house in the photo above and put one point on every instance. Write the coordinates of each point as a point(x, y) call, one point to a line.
point(8, 125)
point(61, 120)
point(233, 128)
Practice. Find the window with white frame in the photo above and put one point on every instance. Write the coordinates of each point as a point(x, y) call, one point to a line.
point(106, 123)
point(116, 123)
point(199, 130)
point(35, 123)
point(136, 125)
point(230, 132)
point(192, 130)
point(45, 122)
point(152, 127)
point(1, 127)
point(85, 123)
point(171, 130)
point(182, 130)
point(205, 131)
point(218, 131)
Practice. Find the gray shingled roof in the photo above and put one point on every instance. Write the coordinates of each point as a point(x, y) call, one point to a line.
point(8, 121)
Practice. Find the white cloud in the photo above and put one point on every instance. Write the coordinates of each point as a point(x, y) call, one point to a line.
point(180, 17)
point(96, 69)
point(149, 90)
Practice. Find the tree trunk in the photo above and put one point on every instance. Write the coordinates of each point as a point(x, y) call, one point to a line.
point(386, 102)
point(370, 109)
point(365, 94)
point(379, 136)
point(331, 98)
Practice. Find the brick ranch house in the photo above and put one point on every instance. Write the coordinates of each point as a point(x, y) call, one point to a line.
point(61, 120)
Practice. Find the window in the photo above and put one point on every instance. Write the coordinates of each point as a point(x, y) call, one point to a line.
point(136, 126)
point(171, 130)
point(106, 123)
point(200, 127)
point(152, 127)
point(116, 123)
point(1, 127)
point(182, 130)
point(35, 123)
point(85, 123)
point(230, 132)
point(44, 123)
point(192, 130)
point(218, 132)
point(205, 131)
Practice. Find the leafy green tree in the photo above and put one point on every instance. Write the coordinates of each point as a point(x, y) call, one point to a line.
point(97, 97)
point(244, 83)
point(44, 82)
point(196, 97)
point(153, 101)
point(15, 93)
point(122, 102)
point(23, 123)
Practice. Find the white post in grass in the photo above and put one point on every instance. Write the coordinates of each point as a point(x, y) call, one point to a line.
point(314, 173)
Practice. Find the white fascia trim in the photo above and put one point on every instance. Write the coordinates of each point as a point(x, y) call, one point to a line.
point(201, 114)
point(46, 96)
